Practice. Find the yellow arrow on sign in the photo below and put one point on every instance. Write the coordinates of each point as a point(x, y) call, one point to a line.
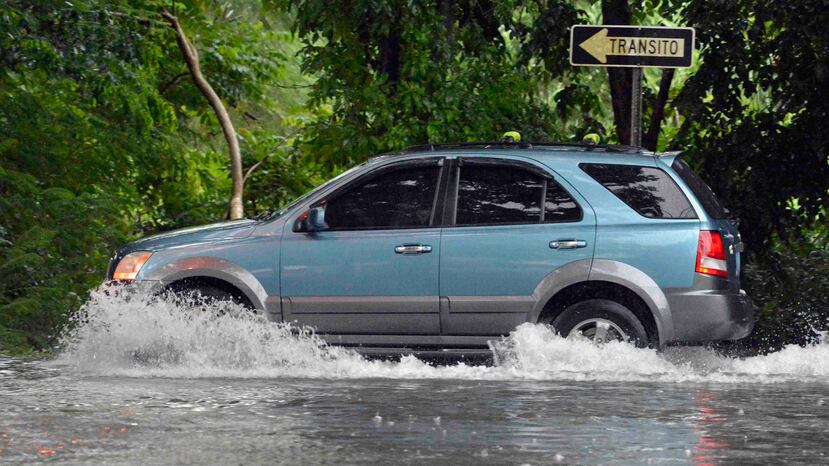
point(600, 46)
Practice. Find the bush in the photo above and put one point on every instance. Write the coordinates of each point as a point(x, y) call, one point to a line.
point(791, 290)
point(54, 246)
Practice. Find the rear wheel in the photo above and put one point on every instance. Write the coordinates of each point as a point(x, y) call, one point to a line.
point(601, 321)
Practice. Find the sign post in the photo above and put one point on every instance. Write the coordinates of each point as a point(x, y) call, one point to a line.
point(636, 107)
point(633, 47)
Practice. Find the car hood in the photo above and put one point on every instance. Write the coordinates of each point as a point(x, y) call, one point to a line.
point(216, 231)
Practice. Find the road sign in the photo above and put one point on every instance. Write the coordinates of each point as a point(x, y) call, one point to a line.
point(631, 46)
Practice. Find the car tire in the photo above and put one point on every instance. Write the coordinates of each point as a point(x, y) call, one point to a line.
point(205, 296)
point(601, 320)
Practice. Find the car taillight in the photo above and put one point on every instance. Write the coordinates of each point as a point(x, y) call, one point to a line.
point(711, 254)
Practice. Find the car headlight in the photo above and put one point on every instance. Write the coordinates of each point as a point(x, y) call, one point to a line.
point(129, 266)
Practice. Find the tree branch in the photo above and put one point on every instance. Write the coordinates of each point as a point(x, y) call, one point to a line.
point(267, 156)
point(254, 167)
point(171, 82)
point(191, 58)
point(621, 79)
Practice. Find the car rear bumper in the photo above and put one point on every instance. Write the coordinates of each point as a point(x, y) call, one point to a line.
point(711, 315)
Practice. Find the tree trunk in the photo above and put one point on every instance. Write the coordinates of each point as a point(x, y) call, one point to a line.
point(651, 138)
point(191, 58)
point(447, 10)
point(391, 47)
point(621, 79)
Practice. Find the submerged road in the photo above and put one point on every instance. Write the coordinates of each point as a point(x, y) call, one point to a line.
point(146, 385)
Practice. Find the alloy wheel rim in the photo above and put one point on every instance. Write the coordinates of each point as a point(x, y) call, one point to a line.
point(599, 331)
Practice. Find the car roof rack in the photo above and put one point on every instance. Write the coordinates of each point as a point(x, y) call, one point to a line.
point(527, 145)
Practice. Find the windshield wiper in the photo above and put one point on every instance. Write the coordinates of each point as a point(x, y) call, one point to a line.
point(266, 215)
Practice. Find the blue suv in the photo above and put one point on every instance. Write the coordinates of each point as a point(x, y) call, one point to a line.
point(443, 248)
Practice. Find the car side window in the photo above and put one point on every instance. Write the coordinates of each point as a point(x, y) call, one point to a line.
point(649, 191)
point(559, 206)
point(400, 198)
point(491, 194)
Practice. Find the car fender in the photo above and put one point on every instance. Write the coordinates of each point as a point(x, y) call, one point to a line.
point(609, 271)
point(644, 286)
point(213, 267)
point(557, 280)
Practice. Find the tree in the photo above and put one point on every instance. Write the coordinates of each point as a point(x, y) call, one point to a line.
point(392, 74)
point(755, 112)
point(191, 56)
point(621, 81)
point(102, 140)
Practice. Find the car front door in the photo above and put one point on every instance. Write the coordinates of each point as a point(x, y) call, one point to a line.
point(374, 268)
point(509, 224)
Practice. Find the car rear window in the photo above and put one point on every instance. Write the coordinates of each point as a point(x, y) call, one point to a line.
point(649, 191)
point(704, 194)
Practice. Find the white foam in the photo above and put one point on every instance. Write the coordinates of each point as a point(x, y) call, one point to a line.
point(142, 337)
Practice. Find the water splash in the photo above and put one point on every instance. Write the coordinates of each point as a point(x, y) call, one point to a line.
point(145, 337)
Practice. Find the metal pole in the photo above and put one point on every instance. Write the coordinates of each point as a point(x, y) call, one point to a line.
point(636, 108)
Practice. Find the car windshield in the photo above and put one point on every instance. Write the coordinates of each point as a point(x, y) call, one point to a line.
point(310, 193)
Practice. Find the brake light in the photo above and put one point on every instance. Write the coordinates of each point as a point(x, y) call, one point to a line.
point(711, 254)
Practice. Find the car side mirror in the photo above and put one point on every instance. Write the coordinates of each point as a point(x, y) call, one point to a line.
point(311, 221)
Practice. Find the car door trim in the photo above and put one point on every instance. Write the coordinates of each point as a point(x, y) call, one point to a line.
point(404, 341)
point(490, 304)
point(360, 305)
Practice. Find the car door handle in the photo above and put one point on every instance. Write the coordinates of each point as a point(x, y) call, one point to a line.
point(568, 244)
point(413, 249)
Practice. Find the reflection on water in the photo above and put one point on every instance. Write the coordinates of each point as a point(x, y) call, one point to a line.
point(708, 445)
point(142, 382)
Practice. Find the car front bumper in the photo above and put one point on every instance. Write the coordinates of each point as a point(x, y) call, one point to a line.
point(131, 289)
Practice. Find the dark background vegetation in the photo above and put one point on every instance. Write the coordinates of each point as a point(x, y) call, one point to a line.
point(104, 138)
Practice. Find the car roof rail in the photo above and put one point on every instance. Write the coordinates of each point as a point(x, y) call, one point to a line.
point(528, 145)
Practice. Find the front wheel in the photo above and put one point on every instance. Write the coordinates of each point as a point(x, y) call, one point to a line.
point(206, 297)
point(601, 321)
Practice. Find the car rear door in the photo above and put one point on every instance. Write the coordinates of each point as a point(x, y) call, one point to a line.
point(509, 224)
point(375, 269)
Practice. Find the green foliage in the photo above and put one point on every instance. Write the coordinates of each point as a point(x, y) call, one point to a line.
point(50, 246)
point(792, 291)
point(284, 173)
point(103, 137)
point(756, 111)
point(392, 74)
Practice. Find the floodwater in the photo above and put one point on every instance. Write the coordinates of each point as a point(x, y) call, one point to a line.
point(149, 383)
